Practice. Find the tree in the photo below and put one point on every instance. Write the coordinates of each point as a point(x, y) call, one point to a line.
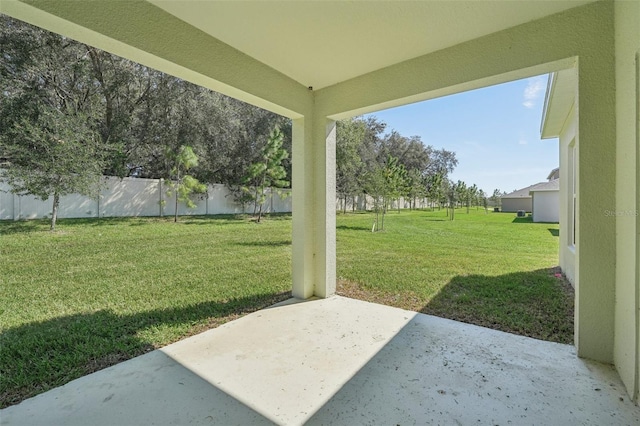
point(472, 196)
point(415, 186)
point(482, 198)
point(140, 114)
point(49, 141)
point(51, 155)
point(268, 171)
point(376, 186)
point(461, 191)
point(395, 175)
point(452, 194)
point(182, 183)
point(442, 162)
point(496, 197)
point(349, 136)
point(434, 188)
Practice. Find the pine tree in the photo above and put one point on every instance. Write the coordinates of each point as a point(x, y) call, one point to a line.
point(182, 183)
point(268, 172)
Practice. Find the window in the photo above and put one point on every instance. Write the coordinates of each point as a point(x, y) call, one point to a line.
point(571, 198)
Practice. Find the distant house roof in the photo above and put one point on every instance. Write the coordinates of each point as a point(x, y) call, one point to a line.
point(552, 185)
point(521, 193)
point(554, 174)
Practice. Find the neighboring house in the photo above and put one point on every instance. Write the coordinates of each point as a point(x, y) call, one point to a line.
point(544, 195)
point(517, 200)
point(545, 201)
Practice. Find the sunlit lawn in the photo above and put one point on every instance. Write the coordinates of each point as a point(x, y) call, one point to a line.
point(490, 269)
point(100, 291)
point(97, 292)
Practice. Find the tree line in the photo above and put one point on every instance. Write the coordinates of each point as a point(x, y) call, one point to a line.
point(71, 113)
point(388, 166)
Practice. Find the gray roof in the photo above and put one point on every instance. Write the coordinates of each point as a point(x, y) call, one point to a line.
point(553, 185)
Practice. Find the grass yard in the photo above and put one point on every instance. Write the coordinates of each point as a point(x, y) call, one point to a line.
point(101, 291)
point(493, 270)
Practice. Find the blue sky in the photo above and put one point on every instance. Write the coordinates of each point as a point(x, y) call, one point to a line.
point(494, 131)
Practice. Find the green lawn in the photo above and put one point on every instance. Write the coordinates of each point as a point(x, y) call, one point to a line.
point(100, 291)
point(492, 269)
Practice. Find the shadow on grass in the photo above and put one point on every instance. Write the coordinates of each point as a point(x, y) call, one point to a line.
point(354, 228)
point(42, 355)
point(536, 303)
point(528, 219)
point(554, 232)
point(281, 243)
point(353, 213)
point(9, 227)
point(205, 220)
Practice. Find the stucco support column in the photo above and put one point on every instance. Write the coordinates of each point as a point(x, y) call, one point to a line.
point(596, 226)
point(314, 220)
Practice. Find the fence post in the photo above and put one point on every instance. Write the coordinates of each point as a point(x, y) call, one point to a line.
point(206, 203)
point(161, 207)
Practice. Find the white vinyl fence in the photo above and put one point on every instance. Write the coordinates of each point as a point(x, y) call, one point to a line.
point(365, 202)
point(131, 197)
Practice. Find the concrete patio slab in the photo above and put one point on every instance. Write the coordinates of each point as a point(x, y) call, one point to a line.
point(341, 361)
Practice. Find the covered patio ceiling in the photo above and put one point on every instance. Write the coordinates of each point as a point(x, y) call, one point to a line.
point(262, 52)
point(321, 43)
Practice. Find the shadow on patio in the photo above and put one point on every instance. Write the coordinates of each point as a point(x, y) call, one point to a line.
point(342, 361)
point(53, 352)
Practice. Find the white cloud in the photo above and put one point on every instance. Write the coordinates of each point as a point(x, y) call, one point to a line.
point(522, 142)
point(535, 87)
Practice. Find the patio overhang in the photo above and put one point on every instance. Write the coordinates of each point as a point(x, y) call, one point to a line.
point(316, 62)
point(562, 89)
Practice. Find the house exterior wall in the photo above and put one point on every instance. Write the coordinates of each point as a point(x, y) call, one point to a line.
point(546, 206)
point(515, 204)
point(627, 49)
point(567, 250)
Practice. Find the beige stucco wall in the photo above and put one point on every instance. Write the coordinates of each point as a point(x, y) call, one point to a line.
point(627, 15)
point(546, 206)
point(515, 204)
point(567, 250)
